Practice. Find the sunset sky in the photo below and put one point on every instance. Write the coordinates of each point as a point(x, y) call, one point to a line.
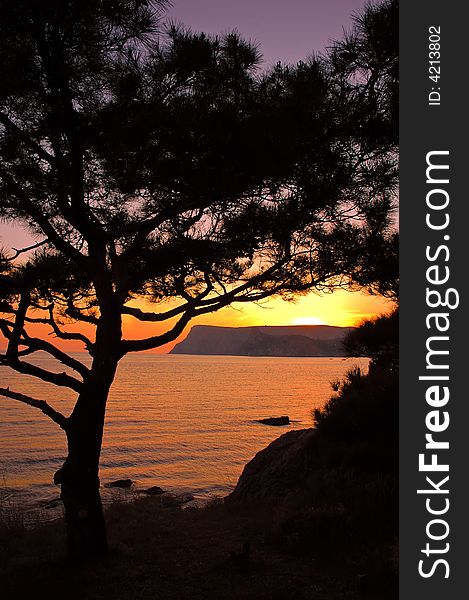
point(286, 31)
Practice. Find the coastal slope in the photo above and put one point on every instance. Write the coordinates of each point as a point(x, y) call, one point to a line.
point(294, 340)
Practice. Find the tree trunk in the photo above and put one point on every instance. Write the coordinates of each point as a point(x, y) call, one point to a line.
point(86, 529)
point(79, 475)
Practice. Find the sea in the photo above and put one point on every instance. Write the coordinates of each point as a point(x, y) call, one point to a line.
point(186, 423)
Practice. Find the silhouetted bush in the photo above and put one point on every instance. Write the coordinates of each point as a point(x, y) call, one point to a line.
point(364, 407)
point(377, 339)
point(345, 510)
point(364, 412)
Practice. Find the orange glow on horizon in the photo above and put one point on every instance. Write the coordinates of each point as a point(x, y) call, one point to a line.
point(340, 308)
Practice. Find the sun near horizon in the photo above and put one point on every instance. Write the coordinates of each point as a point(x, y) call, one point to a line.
point(308, 321)
point(341, 308)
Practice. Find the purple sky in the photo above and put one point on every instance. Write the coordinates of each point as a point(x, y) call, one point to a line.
point(286, 30)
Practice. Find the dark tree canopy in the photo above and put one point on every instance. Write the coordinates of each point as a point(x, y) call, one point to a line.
point(378, 339)
point(164, 164)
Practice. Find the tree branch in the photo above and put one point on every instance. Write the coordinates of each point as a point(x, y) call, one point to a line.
point(240, 294)
point(151, 317)
point(158, 340)
point(199, 307)
point(18, 336)
point(42, 405)
point(18, 326)
point(42, 220)
point(60, 379)
point(26, 139)
point(70, 171)
point(142, 229)
point(169, 314)
point(67, 335)
point(63, 335)
point(174, 332)
point(75, 313)
point(38, 344)
point(28, 248)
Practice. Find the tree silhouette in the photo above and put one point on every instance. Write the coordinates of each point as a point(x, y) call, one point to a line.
point(163, 165)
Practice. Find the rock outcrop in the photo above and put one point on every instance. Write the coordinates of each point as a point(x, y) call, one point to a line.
point(279, 469)
point(284, 420)
point(120, 483)
point(155, 490)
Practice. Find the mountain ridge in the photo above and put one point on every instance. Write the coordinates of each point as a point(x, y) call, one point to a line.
point(264, 340)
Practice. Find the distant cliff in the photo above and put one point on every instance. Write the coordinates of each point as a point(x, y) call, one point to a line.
point(299, 340)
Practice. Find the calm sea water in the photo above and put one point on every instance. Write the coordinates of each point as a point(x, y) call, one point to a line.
point(185, 423)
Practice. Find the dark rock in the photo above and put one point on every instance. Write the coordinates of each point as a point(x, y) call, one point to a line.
point(119, 483)
point(58, 477)
point(55, 503)
point(174, 500)
point(278, 470)
point(153, 491)
point(284, 420)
